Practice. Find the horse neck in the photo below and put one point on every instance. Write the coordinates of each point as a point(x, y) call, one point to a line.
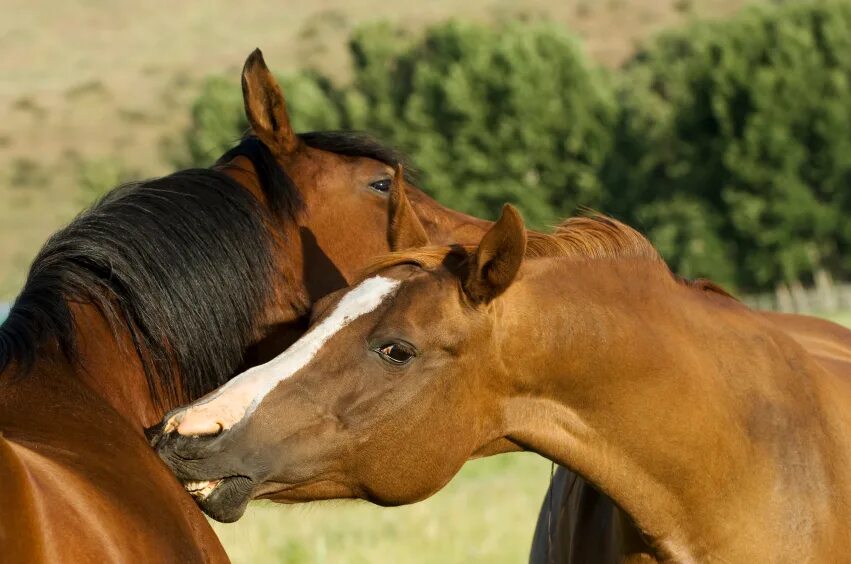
point(286, 318)
point(705, 424)
point(66, 430)
point(446, 226)
point(242, 170)
point(108, 364)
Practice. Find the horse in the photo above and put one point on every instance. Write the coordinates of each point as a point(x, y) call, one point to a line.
point(578, 523)
point(716, 434)
point(157, 295)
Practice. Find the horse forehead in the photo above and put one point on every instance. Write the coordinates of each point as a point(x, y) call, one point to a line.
point(426, 291)
point(361, 300)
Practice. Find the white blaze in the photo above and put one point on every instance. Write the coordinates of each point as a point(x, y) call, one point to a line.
point(229, 404)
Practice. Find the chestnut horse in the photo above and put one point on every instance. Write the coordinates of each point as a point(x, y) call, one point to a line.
point(577, 523)
point(149, 300)
point(717, 434)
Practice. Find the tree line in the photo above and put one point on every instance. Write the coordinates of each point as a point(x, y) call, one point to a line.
point(727, 142)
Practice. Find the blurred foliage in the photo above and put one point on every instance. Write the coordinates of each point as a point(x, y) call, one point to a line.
point(726, 142)
point(748, 121)
point(218, 119)
point(511, 114)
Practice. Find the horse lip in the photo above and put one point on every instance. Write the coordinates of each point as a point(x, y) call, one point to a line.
point(228, 500)
point(277, 491)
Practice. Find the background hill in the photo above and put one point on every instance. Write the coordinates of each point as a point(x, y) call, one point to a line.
point(89, 90)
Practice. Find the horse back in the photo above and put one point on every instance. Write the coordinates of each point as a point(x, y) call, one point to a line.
point(823, 340)
point(85, 485)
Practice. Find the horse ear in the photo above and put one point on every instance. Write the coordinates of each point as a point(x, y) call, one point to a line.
point(498, 257)
point(404, 230)
point(265, 106)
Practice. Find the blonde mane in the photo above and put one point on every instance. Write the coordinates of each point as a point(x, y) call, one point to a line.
point(588, 237)
point(591, 237)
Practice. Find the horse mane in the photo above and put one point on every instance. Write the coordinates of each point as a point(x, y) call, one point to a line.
point(358, 144)
point(594, 236)
point(586, 237)
point(183, 262)
point(707, 286)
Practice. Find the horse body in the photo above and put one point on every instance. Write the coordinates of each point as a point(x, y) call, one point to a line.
point(19, 536)
point(81, 470)
point(76, 393)
point(715, 434)
point(578, 523)
point(826, 341)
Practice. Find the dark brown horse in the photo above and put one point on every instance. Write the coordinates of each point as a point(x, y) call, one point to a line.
point(718, 435)
point(154, 297)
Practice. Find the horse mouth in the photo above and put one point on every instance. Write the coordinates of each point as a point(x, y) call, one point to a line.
point(224, 499)
point(201, 490)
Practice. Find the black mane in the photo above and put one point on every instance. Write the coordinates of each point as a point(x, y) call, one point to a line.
point(184, 262)
point(284, 199)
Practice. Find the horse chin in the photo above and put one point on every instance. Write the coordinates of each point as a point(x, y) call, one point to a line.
point(317, 490)
point(225, 500)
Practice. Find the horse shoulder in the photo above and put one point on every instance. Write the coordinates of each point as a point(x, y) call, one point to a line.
point(20, 533)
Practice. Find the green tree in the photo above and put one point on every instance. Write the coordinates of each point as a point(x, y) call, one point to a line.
point(726, 142)
point(490, 115)
point(750, 117)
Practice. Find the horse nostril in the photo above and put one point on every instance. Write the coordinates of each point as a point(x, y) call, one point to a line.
point(199, 426)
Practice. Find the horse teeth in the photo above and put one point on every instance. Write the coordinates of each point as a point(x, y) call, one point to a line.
point(201, 489)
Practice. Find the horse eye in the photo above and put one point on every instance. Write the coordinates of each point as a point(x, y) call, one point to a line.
point(396, 353)
point(382, 185)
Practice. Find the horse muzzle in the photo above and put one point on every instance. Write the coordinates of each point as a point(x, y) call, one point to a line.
point(212, 470)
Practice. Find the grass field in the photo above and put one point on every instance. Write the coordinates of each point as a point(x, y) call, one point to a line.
point(486, 514)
